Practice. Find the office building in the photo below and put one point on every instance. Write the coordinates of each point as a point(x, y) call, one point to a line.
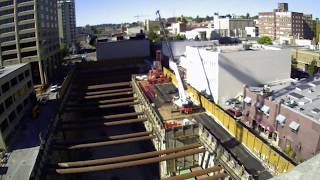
point(288, 114)
point(16, 98)
point(67, 22)
point(29, 33)
point(283, 23)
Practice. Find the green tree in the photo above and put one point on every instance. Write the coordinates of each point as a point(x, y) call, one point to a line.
point(312, 68)
point(153, 36)
point(294, 62)
point(265, 40)
point(93, 41)
point(180, 37)
point(64, 50)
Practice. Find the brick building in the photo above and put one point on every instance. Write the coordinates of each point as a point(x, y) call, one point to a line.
point(288, 114)
point(283, 23)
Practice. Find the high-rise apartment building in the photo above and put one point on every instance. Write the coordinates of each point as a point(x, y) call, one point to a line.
point(29, 33)
point(283, 23)
point(67, 22)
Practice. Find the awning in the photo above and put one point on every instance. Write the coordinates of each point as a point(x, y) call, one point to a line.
point(281, 118)
point(247, 100)
point(294, 125)
point(265, 109)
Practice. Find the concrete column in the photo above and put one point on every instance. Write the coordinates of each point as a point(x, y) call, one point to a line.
point(17, 31)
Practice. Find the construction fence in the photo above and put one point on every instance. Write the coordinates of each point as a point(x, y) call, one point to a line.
point(270, 156)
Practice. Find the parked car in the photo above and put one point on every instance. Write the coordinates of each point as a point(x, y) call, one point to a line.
point(232, 101)
point(54, 88)
point(234, 113)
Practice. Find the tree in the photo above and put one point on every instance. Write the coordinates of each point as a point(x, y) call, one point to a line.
point(265, 40)
point(64, 50)
point(294, 62)
point(247, 15)
point(93, 41)
point(312, 68)
point(153, 36)
point(180, 37)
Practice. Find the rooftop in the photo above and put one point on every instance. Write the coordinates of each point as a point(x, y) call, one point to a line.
point(302, 96)
point(241, 48)
point(5, 70)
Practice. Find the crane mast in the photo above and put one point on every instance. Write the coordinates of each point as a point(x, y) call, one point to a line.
point(182, 101)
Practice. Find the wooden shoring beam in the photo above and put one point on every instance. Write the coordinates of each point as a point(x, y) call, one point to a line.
point(194, 173)
point(124, 136)
point(108, 91)
point(101, 86)
point(128, 157)
point(130, 163)
point(216, 177)
point(108, 95)
point(81, 104)
point(96, 125)
point(102, 118)
point(90, 108)
point(121, 122)
point(116, 137)
point(107, 143)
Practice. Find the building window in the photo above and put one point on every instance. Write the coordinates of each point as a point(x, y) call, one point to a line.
point(1, 109)
point(5, 87)
point(21, 77)
point(5, 21)
point(13, 82)
point(6, 12)
point(6, 3)
point(4, 125)
point(29, 84)
point(26, 101)
point(19, 108)
point(25, 8)
point(8, 102)
point(12, 116)
point(27, 73)
point(26, 17)
point(6, 30)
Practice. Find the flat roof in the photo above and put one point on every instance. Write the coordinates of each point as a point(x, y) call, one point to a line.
point(9, 69)
point(302, 96)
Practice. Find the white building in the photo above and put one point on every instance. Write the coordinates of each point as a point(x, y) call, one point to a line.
point(201, 34)
point(231, 27)
point(252, 31)
point(177, 28)
point(229, 68)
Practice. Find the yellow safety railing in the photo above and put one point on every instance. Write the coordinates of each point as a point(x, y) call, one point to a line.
point(274, 159)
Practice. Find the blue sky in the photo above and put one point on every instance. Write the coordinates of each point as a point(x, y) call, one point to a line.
point(119, 11)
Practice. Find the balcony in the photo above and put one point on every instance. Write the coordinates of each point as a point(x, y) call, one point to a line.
point(26, 31)
point(29, 49)
point(26, 40)
point(13, 51)
point(6, 16)
point(2, 26)
point(26, 12)
point(8, 43)
point(31, 2)
point(30, 59)
point(6, 7)
point(7, 34)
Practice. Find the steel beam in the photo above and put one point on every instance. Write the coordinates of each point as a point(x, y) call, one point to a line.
point(100, 86)
point(108, 91)
point(106, 143)
point(108, 117)
point(128, 157)
point(89, 108)
point(194, 173)
point(129, 121)
point(130, 163)
point(108, 95)
point(124, 136)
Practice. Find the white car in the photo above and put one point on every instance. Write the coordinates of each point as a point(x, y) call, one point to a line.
point(54, 88)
